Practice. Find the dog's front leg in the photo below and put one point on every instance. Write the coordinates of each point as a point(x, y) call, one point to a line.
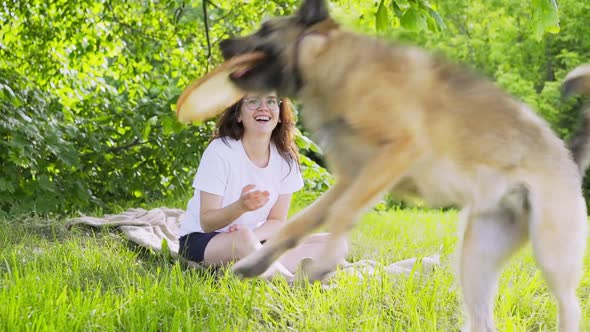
point(297, 228)
point(377, 176)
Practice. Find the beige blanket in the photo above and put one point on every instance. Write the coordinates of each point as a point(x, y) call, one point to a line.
point(158, 230)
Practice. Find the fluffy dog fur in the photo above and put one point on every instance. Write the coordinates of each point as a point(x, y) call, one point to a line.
point(392, 116)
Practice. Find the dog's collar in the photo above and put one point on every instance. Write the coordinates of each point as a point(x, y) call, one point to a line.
point(297, 72)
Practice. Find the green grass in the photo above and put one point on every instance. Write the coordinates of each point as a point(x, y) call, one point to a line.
point(52, 278)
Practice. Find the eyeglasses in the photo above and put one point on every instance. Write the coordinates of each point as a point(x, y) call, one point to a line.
point(255, 103)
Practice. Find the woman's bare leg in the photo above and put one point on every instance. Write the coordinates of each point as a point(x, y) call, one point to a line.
point(229, 247)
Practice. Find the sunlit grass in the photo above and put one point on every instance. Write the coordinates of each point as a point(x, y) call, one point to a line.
point(52, 278)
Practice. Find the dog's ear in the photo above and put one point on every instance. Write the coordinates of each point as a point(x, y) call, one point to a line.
point(312, 12)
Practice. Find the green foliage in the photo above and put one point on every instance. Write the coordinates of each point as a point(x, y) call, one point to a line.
point(88, 87)
point(420, 15)
point(545, 17)
point(88, 93)
point(317, 178)
point(390, 15)
point(103, 154)
point(39, 157)
point(89, 120)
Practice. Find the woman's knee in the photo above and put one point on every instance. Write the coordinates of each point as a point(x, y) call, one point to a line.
point(245, 241)
point(322, 238)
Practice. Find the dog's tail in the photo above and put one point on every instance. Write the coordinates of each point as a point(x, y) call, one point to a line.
point(578, 82)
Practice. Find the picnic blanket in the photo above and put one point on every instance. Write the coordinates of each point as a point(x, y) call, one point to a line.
point(158, 229)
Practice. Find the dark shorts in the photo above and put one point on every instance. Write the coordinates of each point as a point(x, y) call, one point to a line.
point(192, 246)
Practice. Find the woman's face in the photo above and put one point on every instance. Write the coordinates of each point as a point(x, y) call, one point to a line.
point(260, 113)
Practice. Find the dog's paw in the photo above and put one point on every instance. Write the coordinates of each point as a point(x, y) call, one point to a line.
point(248, 270)
point(306, 274)
point(251, 266)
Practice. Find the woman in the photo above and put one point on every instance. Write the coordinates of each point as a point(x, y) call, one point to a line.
point(243, 187)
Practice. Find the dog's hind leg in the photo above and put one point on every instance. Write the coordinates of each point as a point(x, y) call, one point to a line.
point(558, 237)
point(289, 236)
point(489, 239)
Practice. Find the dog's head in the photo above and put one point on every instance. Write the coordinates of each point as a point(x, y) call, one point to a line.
point(279, 39)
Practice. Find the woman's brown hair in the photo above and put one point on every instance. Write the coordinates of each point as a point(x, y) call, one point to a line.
point(283, 136)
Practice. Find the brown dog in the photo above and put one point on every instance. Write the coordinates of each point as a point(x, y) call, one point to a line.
point(396, 117)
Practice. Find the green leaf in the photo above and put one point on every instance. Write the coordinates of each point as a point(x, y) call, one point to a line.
point(305, 143)
point(7, 92)
point(301, 143)
point(148, 127)
point(69, 156)
point(170, 125)
point(166, 249)
point(6, 185)
point(545, 17)
point(433, 14)
point(398, 11)
point(413, 20)
point(382, 17)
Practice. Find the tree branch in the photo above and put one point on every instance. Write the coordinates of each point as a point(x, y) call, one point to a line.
point(213, 4)
point(116, 19)
point(127, 146)
point(178, 15)
point(206, 20)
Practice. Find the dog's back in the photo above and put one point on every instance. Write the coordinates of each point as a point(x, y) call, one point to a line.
point(466, 128)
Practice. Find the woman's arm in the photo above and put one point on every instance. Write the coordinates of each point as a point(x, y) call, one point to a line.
point(214, 217)
point(277, 218)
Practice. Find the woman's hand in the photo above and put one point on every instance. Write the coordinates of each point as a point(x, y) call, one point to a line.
point(253, 200)
point(214, 217)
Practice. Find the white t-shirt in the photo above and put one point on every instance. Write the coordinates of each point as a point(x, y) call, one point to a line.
point(225, 170)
